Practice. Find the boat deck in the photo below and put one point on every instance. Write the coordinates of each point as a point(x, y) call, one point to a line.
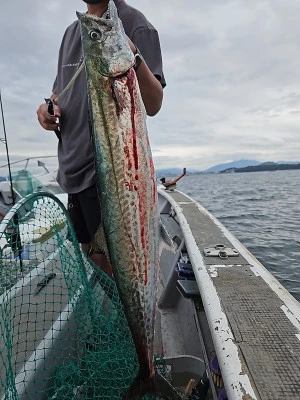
point(254, 321)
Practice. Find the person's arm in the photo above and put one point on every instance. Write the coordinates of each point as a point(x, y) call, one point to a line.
point(150, 87)
point(46, 120)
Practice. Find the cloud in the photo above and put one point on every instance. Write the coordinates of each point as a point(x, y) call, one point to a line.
point(231, 68)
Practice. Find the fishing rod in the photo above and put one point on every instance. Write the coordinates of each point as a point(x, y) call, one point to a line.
point(7, 154)
point(15, 239)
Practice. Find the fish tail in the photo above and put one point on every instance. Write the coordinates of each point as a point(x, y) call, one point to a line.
point(157, 385)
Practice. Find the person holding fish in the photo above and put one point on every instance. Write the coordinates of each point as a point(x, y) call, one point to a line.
point(104, 151)
point(67, 113)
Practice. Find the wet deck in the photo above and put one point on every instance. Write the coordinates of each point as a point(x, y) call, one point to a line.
point(254, 322)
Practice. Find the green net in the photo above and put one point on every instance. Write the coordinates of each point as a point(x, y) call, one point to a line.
point(63, 333)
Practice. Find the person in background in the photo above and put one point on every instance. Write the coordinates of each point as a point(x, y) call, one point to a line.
point(69, 119)
point(171, 184)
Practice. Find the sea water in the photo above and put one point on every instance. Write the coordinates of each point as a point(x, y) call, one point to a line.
point(262, 209)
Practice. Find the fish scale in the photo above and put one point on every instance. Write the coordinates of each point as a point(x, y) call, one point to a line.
point(126, 184)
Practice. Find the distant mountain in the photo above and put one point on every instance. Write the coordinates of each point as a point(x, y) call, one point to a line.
point(288, 162)
point(233, 164)
point(267, 166)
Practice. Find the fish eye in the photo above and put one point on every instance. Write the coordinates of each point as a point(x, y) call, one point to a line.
point(95, 35)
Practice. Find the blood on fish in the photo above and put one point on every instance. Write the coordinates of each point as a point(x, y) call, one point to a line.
point(131, 81)
point(127, 155)
point(128, 185)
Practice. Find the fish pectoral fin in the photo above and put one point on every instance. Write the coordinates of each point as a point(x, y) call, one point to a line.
point(98, 244)
point(157, 385)
point(117, 94)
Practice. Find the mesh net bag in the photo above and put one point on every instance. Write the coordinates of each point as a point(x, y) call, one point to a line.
point(63, 333)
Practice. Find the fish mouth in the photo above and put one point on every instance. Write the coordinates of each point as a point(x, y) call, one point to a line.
point(108, 21)
point(105, 20)
point(109, 18)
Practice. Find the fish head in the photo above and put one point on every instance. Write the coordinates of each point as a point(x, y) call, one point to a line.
point(105, 44)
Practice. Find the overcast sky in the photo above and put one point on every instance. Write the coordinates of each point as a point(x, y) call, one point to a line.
point(232, 69)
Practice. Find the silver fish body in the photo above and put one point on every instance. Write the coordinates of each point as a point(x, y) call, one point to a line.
point(126, 182)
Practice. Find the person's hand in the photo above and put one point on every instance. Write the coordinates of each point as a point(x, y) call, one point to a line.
point(47, 121)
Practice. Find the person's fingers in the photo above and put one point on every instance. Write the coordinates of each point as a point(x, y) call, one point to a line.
point(46, 120)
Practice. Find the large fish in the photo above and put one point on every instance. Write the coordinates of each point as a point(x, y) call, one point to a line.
point(126, 185)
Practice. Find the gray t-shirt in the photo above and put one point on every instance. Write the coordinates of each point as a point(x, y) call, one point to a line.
point(75, 150)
